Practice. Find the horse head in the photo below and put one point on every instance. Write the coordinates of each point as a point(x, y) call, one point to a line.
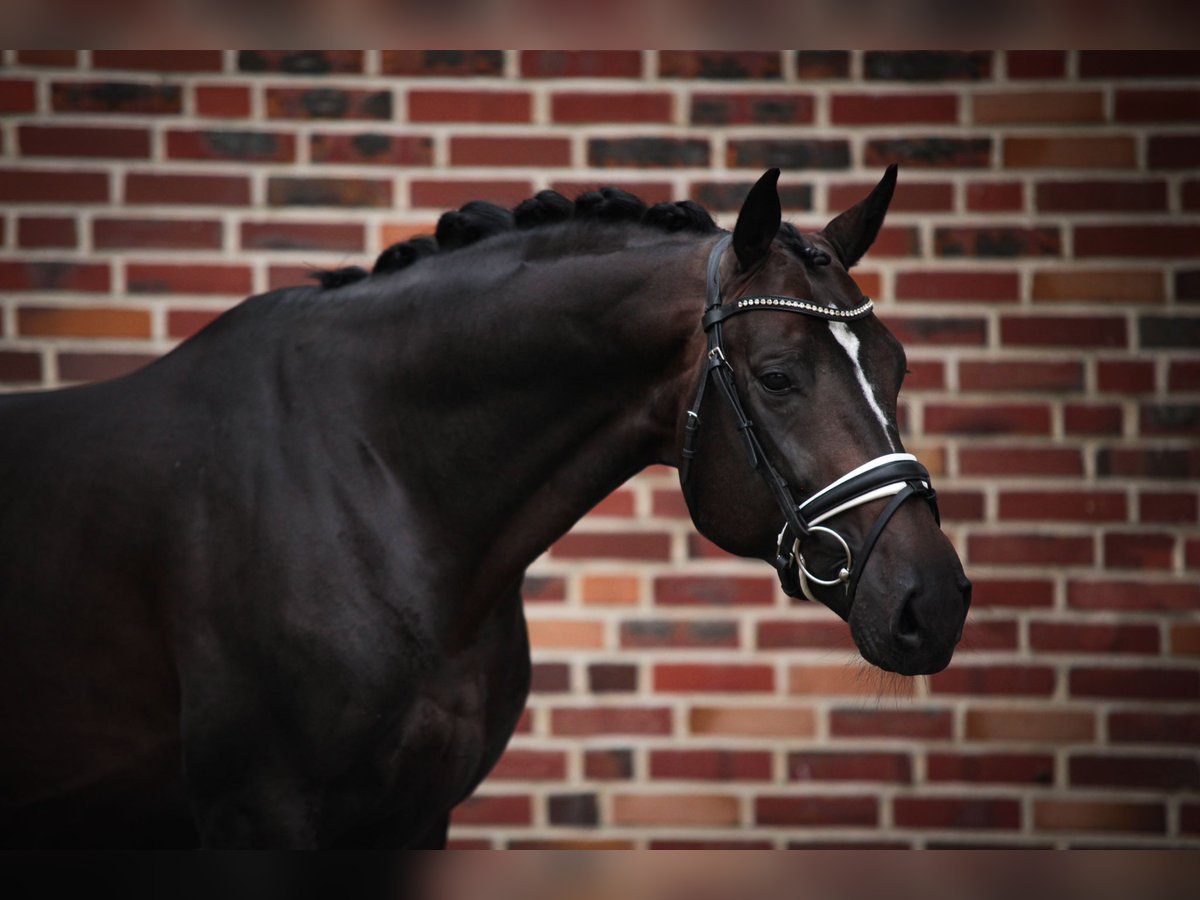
point(799, 460)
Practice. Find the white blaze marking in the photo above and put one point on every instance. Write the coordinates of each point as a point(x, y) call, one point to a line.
point(849, 341)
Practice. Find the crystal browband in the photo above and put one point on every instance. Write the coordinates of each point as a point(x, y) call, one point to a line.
point(787, 304)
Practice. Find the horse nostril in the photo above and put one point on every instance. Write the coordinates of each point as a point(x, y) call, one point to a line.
point(908, 630)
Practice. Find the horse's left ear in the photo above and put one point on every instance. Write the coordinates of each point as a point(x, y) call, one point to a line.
point(853, 232)
point(758, 222)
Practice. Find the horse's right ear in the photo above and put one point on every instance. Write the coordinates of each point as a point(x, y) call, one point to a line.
point(758, 222)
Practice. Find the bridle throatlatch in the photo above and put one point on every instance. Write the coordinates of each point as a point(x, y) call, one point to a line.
point(895, 475)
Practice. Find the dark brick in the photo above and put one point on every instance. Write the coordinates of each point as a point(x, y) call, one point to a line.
point(1169, 332)
point(788, 154)
point(360, 192)
point(373, 149)
point(159, 60)
point(720, 65)
point(573, 810)
point(751, 109)
point(729, 196)
point(821, 64)
point(581, 64)
point(1139, 64)
point(608, 678)
point(894, 65)
point(116, 96)
point(550, 678)
point(213, 144)
point(930, 152)
point(328, 103)
point(19, 366)
point(997, 242)
point(301, 62)
point(647, 152)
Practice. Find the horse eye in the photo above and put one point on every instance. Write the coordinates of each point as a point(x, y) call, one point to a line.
point(776, 382)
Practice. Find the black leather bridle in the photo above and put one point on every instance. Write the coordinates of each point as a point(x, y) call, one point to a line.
point(895, 475)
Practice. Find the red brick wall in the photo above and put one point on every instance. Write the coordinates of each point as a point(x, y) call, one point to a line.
point(1041, 263)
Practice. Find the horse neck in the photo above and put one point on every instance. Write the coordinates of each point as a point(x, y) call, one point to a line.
point(527, 387)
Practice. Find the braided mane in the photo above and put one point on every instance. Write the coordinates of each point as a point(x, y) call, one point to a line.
point(480, 219)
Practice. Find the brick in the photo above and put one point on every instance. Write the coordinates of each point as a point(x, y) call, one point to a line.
point(987, 680)
point(18, 366)
point(334, 237)
point(1173, 508)
point(228, 145)
point(1098, 286)
point(888, 768)
point(1029, 549)
point(666, 634)
point(1004, 196)
point(721, 65)
point(609, 720)
point(676, 810)
point(303, 62)
point(442, 194)
point(938, 812)
point(1031, 64)
point(986, 635)
point(530, 765)
point(166, 234)
point(929, 152)
point(648, 152)
point(1137, 240)
point(816, 811)
point(609, 678)
point(89, 322)
point(939, 331)
point(987, 418)
point(1102, 196)
point(558, 634)
point(207, 278)
point(709, 845)
point(1138, 550)
point(1183, 375)
point(1073, 505)
point(337, 192)
point(159, 60)
point(1142, 683)
point(1082, 637)
point(328, 103)
point(788, 154)
point(1154, 728)
point(1088, 815)
point(23, 185)
point(1114, 152)
point(751, 109)
point(925, 375)
point(1027, 725)
point(610, 590)
point(649, 191)
point(1177, 331)
point(912, 196)
point(689, 590)
point(223, 101)
point(1173, 151)
point(612, 545)
point(506, 809)
point(706, 678)
point(79, 141)
point(990, 287)
point(1033, 375)
point(581, 64)
point(1047, 462)
point(1134, 105)
point(1149, 772)
point(16, 275)
point(153, 189)
point(1063, 331)
point(752, 721)
point(844, 680)
point(883, 109)
point(1138, 64)
point(1147, 463)
point(999, 242)
point(1093, 419)
point(1037, 107)
point(469, 106)
point(1169, 419)
point(1132, 595)
point(883, 723)
point(572, 810)
point(60, 59)
point(507, 151)
point(822, 64)
point(710, 765)
point(1125, 376)
point(73, 366)
point(372, 149)
point(608, 765)
point(781, 634)
point(544, 589)
point(991, 768)
point(183, 323)
point(728, 196)
point(46, 231)
point(116, 96)
point(17, 95)
point(925, 65)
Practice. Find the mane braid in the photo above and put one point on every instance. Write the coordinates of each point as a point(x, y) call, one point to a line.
point(479, 219)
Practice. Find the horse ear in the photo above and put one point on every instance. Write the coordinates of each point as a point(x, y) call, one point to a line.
point(758, 222)
point(853, 232)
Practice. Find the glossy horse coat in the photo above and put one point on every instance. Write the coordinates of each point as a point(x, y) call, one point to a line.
point(265, 591)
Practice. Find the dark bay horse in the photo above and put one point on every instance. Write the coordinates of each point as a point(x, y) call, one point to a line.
point(265, 592)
